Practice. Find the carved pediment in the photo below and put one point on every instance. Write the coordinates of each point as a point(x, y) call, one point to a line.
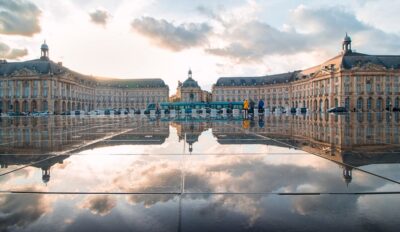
point(368, 66)
point(24, 72)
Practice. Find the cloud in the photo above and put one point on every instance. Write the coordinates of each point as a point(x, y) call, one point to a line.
point(19, 17)
point(99, 17)
point(7, 53)
point(176, 38)
point(21, 210)
point(101, 205)
point(307, 30)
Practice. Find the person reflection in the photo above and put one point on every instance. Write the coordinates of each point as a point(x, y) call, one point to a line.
point(261, 122)
point(246, 124)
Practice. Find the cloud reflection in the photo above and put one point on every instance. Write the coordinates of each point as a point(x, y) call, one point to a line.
point(21, 210)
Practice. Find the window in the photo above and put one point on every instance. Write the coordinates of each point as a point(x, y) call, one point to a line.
point(378, 88)
point(347, 103)
point(369, 103)
point(18, 92)
point(35, 88)
point(347, 89)
point(379, 104)
point(369, 87)
point(1, 90)
point(358, 89)
point(10, 88)
point(360, 103)
point(388, 103)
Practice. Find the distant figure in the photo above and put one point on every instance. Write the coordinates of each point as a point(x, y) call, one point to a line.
point(251, 110)
point(261, 106)
point(245, 108)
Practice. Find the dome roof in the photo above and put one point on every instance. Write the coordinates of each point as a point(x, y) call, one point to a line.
point(190, 83)
point(347, 38)
point(44, 46)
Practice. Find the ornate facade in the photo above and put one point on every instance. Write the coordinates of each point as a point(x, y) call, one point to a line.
point(354, 80)
point(190, 91)
point(43, 85)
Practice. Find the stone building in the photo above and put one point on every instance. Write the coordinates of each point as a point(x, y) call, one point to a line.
point(190, 91)
point(43, 85)
point(351, 79)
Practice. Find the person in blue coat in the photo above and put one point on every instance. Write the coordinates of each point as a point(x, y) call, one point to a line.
point(261, 106)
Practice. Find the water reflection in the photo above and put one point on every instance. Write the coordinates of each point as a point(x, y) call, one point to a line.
point(215, 174)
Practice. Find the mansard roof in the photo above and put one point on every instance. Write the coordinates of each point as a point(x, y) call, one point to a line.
point(38, 66)
point(355, 59)
point(258, 80)
point(133, 83)
point(48, 67)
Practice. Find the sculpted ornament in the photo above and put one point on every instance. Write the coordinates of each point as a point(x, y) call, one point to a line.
point(23, 72)
point(369, 66)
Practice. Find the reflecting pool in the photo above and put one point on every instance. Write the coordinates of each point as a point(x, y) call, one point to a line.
point(135, 173)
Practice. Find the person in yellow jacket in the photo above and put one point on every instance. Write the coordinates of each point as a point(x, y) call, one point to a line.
point(245, 107)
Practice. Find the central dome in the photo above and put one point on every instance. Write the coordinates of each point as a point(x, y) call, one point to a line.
point(190, 83)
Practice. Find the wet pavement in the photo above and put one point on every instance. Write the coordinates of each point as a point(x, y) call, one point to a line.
point(129, 172)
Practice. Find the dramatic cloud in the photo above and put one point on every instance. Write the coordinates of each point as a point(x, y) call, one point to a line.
point(167, 35)
point(101, 205)
point(99, 17)
point(19, 17)
point(307, 30)
point(7, 53)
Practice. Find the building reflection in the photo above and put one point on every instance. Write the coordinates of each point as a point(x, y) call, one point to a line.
point(190, 131)
point(350, 140)
point(45, 142)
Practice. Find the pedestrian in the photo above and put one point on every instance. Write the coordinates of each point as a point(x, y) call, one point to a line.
point(261, 106)
point(251, 110)
point(246, 108)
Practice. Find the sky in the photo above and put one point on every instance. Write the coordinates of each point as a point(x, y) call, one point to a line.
point(164, 38)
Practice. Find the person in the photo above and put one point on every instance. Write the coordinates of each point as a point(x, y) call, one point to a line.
point(261, 106)
point(245, 107)
point(251, 110)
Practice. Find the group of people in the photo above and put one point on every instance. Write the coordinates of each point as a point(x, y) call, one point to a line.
point(248, 107)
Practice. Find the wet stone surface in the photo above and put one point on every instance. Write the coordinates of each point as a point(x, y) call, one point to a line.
point(133, 173)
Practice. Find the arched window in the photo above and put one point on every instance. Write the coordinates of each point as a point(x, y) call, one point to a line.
point(379, 104)
point(388, 103)
point(360, 103)
point(347, 103)
point(369, 103)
